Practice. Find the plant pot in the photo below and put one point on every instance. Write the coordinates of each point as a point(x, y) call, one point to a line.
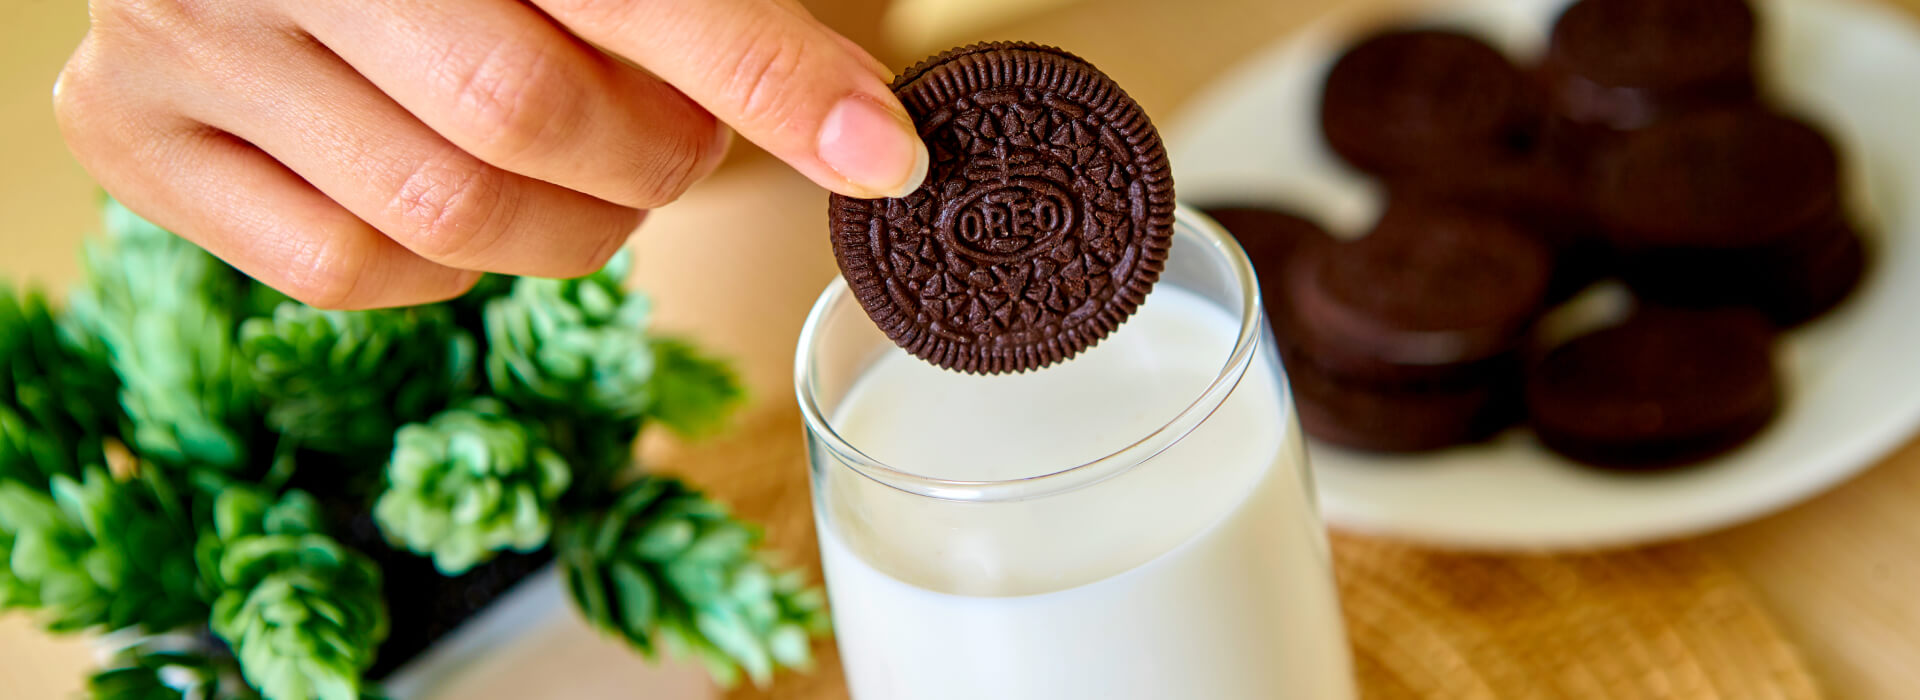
point(528, 643)
point(531, 643)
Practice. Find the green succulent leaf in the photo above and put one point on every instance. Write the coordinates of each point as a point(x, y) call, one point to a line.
point(187, 373)
point(302, 613)
point(57, 395)
point(691, 392)
point(343, 381)
point(666, 568)
point(133, 683)
point(576, 347)
point(164, 312)
point(92, 553)
point(473, 481)
point(163, 669)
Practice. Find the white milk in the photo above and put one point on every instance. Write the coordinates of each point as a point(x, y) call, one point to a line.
point(1199, 574)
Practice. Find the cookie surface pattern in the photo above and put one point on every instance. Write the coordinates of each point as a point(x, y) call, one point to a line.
point(1045, 219)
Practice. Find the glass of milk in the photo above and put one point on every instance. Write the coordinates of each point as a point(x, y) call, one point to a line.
point(1136, 523)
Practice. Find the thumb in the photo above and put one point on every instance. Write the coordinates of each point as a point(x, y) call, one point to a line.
point(779, 78)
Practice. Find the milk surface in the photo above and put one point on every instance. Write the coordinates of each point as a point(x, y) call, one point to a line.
point(1201, 573)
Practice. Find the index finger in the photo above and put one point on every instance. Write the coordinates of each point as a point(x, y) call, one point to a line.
point(780, 79)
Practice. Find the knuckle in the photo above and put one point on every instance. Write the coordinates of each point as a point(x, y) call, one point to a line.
point(507, 98)
point(325, 274)
point(73, 90)
point(757, 83)
point(680, 162)
point(151, 18)
point(448, 212)
point(607, 248)
point(101, 123)
point(204, 46)
point(577, 266)
point(456, 285)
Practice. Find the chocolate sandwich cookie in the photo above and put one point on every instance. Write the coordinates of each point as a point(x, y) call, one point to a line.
point(1790, 285)
point(1725, 179)
point(1270, 237)
point(1415, 419)
point(1429, 296)
point(1541, 195)
point(1627, 63)
point(1411, 102)
point(1663, 388)
point(1045, 219)
point(1809, 288)
point(1721, 207)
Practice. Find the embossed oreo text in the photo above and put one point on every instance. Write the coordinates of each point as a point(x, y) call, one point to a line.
point(1025, 223)
point(996, 222)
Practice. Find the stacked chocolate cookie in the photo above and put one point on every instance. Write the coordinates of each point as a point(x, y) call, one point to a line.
point(1729, 208)
point(1640, 149)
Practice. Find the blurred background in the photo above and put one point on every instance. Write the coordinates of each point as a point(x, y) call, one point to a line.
point(740, 259)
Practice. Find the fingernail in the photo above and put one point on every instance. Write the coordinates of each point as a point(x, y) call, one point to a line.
point(873, 148)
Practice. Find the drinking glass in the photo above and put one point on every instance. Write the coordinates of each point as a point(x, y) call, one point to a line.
point(1135, 523)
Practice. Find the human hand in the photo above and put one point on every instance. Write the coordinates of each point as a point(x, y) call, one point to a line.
point(364, 153)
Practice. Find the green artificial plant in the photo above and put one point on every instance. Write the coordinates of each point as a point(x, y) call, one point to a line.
point(183, 450)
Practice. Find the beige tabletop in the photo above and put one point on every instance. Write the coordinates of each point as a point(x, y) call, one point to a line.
point(739, 260)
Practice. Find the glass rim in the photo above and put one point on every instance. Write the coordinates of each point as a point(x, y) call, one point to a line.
point(1071, 477)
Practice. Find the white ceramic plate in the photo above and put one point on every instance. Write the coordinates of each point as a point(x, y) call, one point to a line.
point(1853, 376)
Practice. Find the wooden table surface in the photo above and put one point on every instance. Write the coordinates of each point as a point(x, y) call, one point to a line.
point(740, 259)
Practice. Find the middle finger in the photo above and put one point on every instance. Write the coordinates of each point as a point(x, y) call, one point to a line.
point(501, 81)
point(318, 117)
